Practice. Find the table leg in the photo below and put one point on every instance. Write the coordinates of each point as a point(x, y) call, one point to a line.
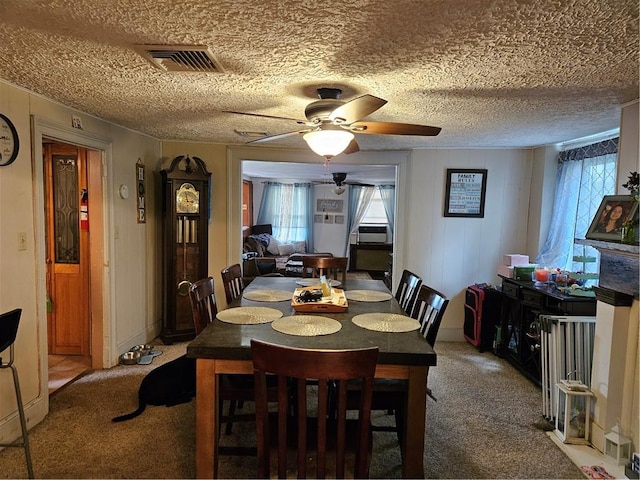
point(412, 460)
point(206, 419)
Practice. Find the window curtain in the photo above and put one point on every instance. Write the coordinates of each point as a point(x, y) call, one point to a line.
point(388, 195)
point(585, 175)
point(359, 200)
point(289, 210)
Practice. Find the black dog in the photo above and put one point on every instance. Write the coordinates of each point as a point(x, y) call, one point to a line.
point(169, 384)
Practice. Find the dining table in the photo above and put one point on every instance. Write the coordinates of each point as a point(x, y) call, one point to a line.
point(224, 348)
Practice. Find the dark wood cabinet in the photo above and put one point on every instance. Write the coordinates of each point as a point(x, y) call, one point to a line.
point(370, 257)
point(185, 211)
point(522, 304)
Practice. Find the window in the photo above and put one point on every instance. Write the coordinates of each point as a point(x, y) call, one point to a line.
point(585, 175)
point(376, 213)
point(287, 207)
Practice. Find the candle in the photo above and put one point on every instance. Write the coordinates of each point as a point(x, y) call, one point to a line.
point(542, 275)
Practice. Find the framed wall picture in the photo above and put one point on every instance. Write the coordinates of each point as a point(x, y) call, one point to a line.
point(465, 192)
point(613, 212)
point(329, 205)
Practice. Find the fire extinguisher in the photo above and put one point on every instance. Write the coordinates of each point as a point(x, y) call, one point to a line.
point(84, 210)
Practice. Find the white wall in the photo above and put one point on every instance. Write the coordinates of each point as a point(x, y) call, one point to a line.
point(452, 253)
point(131, 262)
point(330, 237)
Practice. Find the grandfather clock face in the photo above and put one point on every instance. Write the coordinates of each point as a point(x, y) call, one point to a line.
point(187, 199)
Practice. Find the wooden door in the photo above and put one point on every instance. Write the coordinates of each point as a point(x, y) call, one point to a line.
point(68, 265)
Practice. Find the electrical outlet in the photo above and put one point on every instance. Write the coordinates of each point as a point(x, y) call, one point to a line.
point(22, 241)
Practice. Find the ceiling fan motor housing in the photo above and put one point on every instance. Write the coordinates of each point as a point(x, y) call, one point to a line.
point(339, 177)
point(319, 111)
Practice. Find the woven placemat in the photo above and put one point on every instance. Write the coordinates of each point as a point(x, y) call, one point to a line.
point(306, 325)
point(268, 295)
point(386, 322)
point(368, 295)
point(312, 282)
point(248, 315)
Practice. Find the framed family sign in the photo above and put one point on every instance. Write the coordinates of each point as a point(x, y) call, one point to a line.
point(465, 192)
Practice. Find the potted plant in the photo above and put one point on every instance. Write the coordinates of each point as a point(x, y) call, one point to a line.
point(630, 227)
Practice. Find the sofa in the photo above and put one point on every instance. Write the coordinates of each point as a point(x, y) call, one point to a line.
point(264, 254)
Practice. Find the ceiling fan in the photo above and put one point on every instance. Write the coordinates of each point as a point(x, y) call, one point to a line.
point(331, 123)
point(339, 178)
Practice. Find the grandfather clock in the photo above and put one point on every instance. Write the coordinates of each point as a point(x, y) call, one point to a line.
point(185, 211)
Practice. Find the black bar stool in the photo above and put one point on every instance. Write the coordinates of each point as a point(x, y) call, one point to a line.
point(8, 329)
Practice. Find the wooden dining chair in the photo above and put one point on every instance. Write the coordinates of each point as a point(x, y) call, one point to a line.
point(391, 394)
point(234, 388)
point(232, 281)
point(407, 290)
point(293, 367)
point(331, 267)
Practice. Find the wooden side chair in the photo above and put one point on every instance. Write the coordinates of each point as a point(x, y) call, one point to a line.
point(331, 267)
point(293, 367)
point(390, 394)
point(407, 290)
point(234, 388)
point(232, 281)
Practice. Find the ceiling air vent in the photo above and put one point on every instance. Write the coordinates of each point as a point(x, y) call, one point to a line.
point(181, 58)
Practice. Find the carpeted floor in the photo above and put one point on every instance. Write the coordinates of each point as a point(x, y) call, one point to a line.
point(485, 424)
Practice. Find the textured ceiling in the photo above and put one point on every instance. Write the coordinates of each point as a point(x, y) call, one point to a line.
point(499, 73)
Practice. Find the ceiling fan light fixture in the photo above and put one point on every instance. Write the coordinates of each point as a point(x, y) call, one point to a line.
point(328, 143)
point(338, 190)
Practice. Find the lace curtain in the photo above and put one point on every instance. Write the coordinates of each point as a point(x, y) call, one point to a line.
point(359, 199)
point(388, 195)
point(289, 210)
point(584, 176)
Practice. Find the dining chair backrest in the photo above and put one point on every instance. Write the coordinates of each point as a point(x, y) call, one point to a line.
point(232, 281)
point(429, 309)
point(203, 303)
point(331, 267)
point(9, 328)
point(407, 290)
point(293, 367)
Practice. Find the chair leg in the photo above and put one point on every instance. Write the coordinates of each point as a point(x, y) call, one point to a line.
point(430, 394)
point(23, 420)
point(232, 412)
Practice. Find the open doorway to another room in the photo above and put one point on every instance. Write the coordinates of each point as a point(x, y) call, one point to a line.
point(331, 214)
point(72, 176)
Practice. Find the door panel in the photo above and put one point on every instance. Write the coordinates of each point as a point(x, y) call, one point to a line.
point(67, 250)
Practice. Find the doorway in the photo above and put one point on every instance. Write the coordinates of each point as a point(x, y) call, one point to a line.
point(72, 174)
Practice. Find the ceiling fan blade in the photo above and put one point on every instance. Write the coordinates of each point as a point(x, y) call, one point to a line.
point(280, 136)
point(391, 128)
point(302, 122)
point(353, 147)
point(356, 109)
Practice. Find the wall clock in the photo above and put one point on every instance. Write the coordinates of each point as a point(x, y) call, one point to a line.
point(9, 143)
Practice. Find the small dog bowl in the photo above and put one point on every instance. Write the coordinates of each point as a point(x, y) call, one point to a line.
point(143, 349)
point(130, 358)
